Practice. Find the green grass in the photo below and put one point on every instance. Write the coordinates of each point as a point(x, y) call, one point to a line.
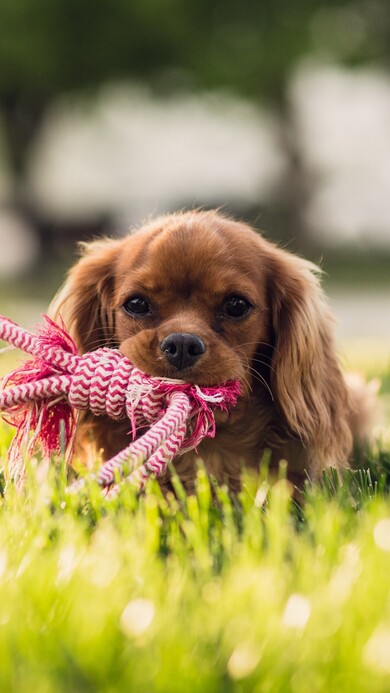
point(207, 593)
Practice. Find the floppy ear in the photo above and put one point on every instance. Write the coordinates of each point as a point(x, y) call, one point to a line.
point(85, 301)
point(306, 380)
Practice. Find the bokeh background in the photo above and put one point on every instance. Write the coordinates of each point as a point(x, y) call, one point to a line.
point(276, 111)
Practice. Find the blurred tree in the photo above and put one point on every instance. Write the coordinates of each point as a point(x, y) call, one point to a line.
point(254, 46)
point(48, 47)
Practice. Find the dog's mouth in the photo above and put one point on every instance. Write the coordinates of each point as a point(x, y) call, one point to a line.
point(193, 376)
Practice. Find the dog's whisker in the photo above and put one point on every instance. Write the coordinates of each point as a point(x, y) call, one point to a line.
point(265, 344)
point(255, 341)
point(264, 363)
point(257, 376)
point(260, 379)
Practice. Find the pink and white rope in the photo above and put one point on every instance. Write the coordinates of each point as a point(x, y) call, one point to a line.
point(58, 381)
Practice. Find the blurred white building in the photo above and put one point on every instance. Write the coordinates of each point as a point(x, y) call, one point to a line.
point(135, 156)
point(344, 123)
point(130, 155)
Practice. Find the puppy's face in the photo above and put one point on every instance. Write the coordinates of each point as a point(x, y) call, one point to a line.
point(189, 301)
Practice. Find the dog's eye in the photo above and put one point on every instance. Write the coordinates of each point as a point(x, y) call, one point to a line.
point(236, 307)
point(137, 306)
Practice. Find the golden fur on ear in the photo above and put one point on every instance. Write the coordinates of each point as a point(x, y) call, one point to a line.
point(84, 300)
point(306, 380)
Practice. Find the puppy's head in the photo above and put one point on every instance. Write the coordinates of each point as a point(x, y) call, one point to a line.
point(181, 298)
point(202, 298)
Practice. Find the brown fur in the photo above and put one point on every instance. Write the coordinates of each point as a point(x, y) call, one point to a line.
point(295, 401)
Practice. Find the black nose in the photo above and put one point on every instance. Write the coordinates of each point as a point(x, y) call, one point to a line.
point(182, 349)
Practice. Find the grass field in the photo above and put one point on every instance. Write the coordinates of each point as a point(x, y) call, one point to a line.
point(205, 593)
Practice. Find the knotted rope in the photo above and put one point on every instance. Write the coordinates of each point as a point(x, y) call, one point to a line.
point(42, 398)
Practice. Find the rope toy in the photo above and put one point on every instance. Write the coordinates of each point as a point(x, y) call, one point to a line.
point(44, 395)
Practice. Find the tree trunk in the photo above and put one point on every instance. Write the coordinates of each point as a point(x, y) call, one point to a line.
point(23, 118)
point(22, 121)
point(296, 187)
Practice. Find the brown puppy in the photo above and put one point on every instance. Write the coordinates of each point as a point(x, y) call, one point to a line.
point(201, 297)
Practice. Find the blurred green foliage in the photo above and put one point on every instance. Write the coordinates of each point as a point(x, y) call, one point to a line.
point(48, 47)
